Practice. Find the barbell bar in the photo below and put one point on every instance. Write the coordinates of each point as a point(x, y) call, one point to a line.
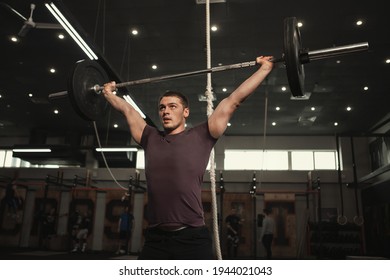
point(305, 58)
point(88, 76)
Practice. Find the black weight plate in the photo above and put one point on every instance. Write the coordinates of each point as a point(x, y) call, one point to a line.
point(85, 101)
point(292, 49)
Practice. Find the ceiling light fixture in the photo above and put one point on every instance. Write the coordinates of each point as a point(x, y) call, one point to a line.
point(71, 31)
point(135, 106)
point(116, 150)
point(359, 22)
point(31, 150)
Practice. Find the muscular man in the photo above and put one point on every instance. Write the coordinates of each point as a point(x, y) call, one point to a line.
point(175, 162)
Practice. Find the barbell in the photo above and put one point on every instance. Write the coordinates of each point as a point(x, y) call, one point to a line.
point(88, 76)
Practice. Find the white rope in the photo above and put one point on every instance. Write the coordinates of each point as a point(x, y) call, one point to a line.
point(209, 98)
point(94, 123)
point(264, 136)
point(104, 158)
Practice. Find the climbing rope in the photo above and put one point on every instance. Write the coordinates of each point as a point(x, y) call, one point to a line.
point(210, 109)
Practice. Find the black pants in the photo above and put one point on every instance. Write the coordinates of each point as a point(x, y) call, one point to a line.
point(267, 242)
point(232, 242)
point(186, 244)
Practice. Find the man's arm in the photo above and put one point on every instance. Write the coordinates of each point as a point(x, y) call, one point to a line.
point(134, 120)
point(224, 111)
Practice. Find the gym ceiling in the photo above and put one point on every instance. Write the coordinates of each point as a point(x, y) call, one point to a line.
point(345, 95)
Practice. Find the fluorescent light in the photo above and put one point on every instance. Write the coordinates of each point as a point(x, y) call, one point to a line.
point(116, 149)
point(31, 150)
point(135, 106)
point(72, 32)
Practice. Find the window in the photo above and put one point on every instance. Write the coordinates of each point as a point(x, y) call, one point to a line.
point(140, 159)
point(243, 159)
point(240, 159)
point(253, 160)
point(275, 160)
point(302, 160)
point(325, 160)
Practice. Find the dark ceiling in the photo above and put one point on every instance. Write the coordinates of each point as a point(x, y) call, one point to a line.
point(172, 35)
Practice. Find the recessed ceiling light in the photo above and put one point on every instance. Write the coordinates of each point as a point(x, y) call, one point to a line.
point(52, 70)
point(116, 125)
point(224, 89)
point(359, 22)
point(284, 88)
point(214, 28)
point(134, 32)
point(300, 24)
point(154, 66)
point(365, 88)
point(273, 123)
point(313, 108)
point(56, 112)
point(61, 36)
point(30, 95)
point(277, 108)
point(338, 61)
point(388, 60)
point(229, 124)
point(14, 39)
point(336, 124)
point(349, 108)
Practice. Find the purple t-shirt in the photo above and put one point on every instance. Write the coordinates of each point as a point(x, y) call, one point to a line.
point(174, 168)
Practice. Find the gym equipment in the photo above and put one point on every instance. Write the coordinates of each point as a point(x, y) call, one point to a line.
point(88, 76)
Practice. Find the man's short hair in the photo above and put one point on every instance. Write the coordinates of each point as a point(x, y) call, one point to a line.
point(182, 97)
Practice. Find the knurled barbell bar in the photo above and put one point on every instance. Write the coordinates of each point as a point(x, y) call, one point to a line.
point(88, 76)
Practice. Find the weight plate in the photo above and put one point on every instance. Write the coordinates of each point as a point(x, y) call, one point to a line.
point(86, 102)
point(292, 50)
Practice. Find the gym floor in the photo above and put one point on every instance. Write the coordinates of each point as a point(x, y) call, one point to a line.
point(38, 254)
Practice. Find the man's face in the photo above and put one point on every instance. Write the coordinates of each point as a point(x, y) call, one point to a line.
point(172, 114)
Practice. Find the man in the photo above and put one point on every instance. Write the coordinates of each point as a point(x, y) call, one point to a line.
point(233, 225)
point(84, 229)
point(267, 232)
point(175, 162)
point(12, 198)
point(125, 227)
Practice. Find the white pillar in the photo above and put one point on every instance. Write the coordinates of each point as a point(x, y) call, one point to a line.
point(28, 218)
point(98, 225)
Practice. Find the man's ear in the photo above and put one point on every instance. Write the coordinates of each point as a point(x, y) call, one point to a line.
point(186, 112)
